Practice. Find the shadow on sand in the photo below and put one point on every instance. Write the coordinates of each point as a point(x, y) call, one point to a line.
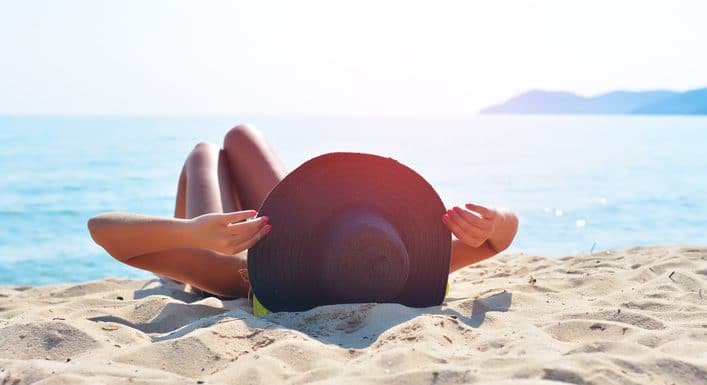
point(348, 325)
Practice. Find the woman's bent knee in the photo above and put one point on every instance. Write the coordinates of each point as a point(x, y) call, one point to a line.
point(203, 153)
point(239, 135)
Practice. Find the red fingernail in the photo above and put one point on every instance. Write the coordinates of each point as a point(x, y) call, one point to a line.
point(445, 217)
point(457, 209)
point(255, 213)
point(268, 227)
point(266, 219)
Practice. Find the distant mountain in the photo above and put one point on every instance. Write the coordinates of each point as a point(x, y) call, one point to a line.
point(687, 103)
point(619, 102)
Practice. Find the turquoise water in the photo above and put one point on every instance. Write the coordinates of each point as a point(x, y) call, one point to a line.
point(578, 183)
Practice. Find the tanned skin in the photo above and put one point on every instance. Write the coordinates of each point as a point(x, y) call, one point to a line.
point(205, 244)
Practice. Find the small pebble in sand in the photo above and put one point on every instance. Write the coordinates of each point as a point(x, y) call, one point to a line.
point(598, 326)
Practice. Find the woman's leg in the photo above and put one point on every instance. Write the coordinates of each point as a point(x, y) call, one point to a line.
point(204, 187)
point(180, 206)
point(209, 183)
point(254, 168)
point(239, 177)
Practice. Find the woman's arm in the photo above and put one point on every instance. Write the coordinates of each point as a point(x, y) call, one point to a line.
point(126, 235)
point(480, 233)
point(208, 270)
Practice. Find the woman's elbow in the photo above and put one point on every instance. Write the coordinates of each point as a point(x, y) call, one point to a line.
point(96, 227)
point(512, 218)
point(102, 228)
point(507, 231)
point(512, 226)
point(105, 230)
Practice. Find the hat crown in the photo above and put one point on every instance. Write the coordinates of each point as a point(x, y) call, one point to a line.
point(363, 257)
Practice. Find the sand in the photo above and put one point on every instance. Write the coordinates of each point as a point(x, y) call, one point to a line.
point(636, 316)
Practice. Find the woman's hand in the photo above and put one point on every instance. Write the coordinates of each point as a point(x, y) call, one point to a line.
point(473, 225)
point(228, 233)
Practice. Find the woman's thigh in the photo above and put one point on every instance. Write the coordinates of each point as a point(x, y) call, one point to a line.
point(253, 165)
point(204, 187)
point(207, 182)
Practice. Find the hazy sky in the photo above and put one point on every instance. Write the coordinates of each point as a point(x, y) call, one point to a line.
point(331, 58)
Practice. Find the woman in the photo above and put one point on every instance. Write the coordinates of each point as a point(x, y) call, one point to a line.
point(205, 244)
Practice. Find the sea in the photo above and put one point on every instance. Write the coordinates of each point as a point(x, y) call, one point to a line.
point(579, 184)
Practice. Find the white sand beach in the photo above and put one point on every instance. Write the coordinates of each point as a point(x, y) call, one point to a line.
point(635, 316)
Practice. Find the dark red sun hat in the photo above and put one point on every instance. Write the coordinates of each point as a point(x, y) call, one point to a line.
point(351, 228)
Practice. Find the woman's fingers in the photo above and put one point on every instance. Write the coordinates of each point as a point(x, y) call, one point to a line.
point(451, 224)
point(486, 213)
point(467, 226)
point(238, 216)
point(247, 228)
point(473, 219)
point(465, 232)
point(250, 242)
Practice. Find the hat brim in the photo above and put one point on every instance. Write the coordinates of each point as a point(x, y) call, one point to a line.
point(280, 267)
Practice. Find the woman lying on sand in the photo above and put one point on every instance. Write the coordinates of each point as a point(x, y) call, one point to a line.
point(205, 244)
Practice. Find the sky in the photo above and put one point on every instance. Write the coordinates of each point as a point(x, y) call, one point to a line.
point(175, 57)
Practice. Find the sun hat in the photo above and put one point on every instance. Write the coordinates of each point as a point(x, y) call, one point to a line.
point(350, 228)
